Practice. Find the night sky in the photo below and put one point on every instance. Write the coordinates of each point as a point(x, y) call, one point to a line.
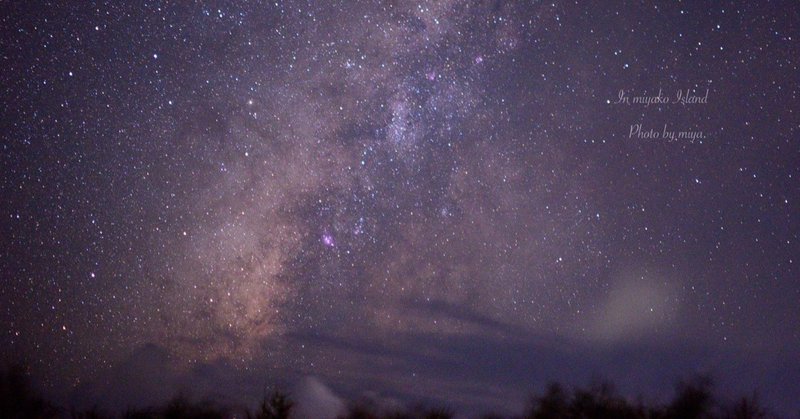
point(438, 201)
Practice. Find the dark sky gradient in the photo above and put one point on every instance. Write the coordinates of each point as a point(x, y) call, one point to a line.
point(398, 200)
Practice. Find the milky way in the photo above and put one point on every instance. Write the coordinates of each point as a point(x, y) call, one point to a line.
point(420, 199)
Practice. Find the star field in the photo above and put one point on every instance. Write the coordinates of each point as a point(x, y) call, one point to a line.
point(421, 199)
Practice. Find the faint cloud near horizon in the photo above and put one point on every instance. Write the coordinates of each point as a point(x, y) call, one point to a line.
point(639, 305)
point(315, 400)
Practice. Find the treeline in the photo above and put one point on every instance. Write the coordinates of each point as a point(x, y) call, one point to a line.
point(692, 400)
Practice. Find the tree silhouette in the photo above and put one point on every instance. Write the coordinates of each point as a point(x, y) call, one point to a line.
point(552, 405)
point(181, 408)
point(439, 413)
point(17, 398)
point(693, 400)
point(277, 406)
point(748, 408)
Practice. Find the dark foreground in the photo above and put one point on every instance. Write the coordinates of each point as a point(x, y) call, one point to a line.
point(692, 399)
